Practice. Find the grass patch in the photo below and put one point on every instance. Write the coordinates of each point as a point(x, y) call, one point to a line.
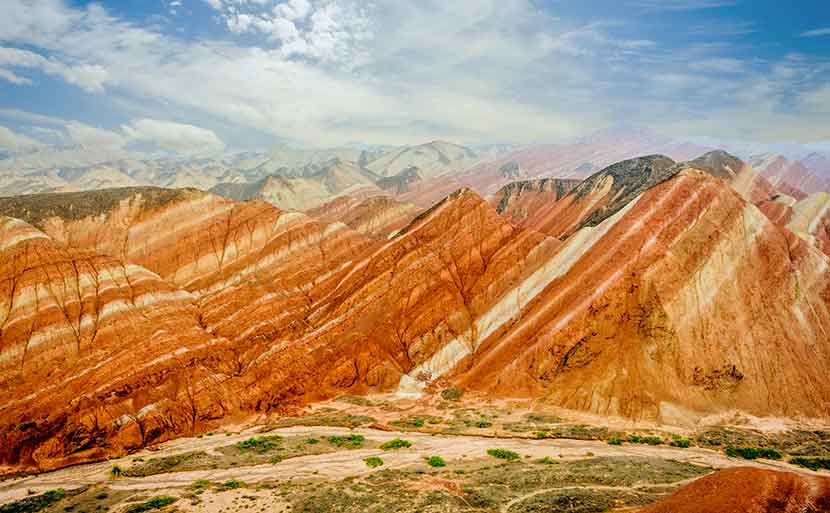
point(396, 443)
point(154, 503)
point(184, 461)
point(373, 461)
point(751, 453)
point(811, 463)
point(260, 444)
point(683, 443)
point(311, 441)
point(349, 421)
point(231, 484)
point(650, 440)
point(435, 461)
point(36, 503)
point(503, 454)
point(348, 441)
point(615, 440)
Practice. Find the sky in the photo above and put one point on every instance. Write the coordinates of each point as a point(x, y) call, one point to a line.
point(201, 76)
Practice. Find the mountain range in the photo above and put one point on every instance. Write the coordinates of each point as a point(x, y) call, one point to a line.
point(652, 290)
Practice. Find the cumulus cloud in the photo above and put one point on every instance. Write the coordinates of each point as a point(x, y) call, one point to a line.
point(181, 138)
point(15, 142)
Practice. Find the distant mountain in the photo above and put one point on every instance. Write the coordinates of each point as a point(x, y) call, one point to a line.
point(311, 190)
point(780, 170)
point(431, 159)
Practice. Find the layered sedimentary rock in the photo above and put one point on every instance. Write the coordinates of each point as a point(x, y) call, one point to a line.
point(519, 200)
point(651, 290)
point(377, 217)
point(681, 300)
point(749, 490)
point(786, 173)
point(88, 344)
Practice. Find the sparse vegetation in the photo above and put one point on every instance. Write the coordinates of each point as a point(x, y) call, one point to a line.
point(683, 443)
point(547, 460)
point(35, 503)
point(115, 471)
point(435, 461)
point(154, 503)
point(452, 394)
point(231, 484)
point(650, 440)
point(751, 453)
point(503, 454)
point(348, 441)
point(396, 443)
point(260, 444)
point(311, 441)
point(812, 463)
point(373, 461)
point(615, 440)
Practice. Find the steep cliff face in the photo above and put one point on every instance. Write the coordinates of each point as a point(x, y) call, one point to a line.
point(88, 342)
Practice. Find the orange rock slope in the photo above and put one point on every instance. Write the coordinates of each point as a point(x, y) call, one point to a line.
point(651, 290)
point(749, 490)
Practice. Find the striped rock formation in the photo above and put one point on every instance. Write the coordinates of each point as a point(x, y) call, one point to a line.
point(377, 217)
point(88, 345)
point(519, 200)
point(651, 290)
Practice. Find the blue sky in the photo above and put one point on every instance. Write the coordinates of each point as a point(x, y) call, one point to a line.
point(202, 75)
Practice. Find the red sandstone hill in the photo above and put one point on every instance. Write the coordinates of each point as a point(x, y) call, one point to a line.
point(749, 490)
point(651, 290)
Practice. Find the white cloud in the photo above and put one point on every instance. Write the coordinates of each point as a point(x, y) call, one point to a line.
point(817, 32)
point(11, 76)
point(92, 137)
point(16, 142)
point(326, 72)
point(181, 138)
point(89, 77)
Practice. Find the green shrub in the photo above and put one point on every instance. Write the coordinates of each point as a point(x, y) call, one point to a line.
point(683, 443)
point(311, 441)
point(115, 471)
point(751, 453)
point(435, 461)
point(503, 454)
point(102, 495)
point(259, 444)
point(232, 484)
point(154, 503)
point(547, 460)
point(541, 435)
point(812, 463)
point(396, 443)
point(35, 503)
point(634, 439)
point(483, 423)
point(615, 440)
point(200, 484)
point(652, 440)
point(373, 461)
point(348, 441)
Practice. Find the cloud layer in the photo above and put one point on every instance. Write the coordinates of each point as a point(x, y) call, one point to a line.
point(325, 72)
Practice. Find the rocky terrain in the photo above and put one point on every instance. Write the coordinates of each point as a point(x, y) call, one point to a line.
point(684, 293)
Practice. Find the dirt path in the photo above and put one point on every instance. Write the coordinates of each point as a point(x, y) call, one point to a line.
point(346, 463)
